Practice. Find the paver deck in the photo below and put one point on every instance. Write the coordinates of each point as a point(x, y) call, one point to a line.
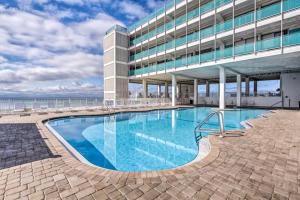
point(263, 164)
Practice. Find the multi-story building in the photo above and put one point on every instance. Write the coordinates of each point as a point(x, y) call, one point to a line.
point(191, 42)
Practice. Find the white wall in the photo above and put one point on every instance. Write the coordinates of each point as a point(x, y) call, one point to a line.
point(246, 101)
point(291, 89)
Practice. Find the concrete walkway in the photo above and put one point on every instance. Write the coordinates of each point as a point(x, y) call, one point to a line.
point(264, 164)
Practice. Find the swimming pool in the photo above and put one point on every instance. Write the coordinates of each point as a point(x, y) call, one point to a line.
point(141, 141)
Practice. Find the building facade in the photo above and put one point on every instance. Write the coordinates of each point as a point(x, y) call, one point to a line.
point(190, 42)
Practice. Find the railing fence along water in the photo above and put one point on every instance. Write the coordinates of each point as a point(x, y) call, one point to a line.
point(63, 104)
point(42, 104)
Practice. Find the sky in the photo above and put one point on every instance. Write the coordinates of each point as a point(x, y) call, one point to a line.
point(55, 46)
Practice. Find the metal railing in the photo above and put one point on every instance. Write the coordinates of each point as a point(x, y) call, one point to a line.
point(199, 128)
point(15, 105)
point(277, 103)
point(142, 102)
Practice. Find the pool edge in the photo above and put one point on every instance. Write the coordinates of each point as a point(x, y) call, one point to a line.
point(190, 166)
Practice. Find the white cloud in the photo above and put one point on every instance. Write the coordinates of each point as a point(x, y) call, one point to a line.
point(2, 59)
point(131, 9)
point(72, 2)
point(153, 4)
point(46, 50)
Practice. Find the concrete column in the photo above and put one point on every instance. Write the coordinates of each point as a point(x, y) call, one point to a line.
point(255, 88)
point(145, 86)
point(166, 90)
point(158, 90)
point(222, 88)
point(174, 90)
point(238, 90)
point(247, 93)
point(207, 89)
point(179, 90)
point(195, 91)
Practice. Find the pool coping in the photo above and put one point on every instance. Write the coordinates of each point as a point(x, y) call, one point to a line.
point(59, 148)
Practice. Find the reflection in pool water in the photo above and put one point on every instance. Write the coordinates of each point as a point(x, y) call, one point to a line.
point(141, 141)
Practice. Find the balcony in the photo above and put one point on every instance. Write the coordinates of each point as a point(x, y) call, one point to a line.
point(178, 21)
point(242, 20)
point(293, 38)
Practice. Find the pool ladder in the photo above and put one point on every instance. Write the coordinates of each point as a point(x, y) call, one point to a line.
point(199, 128)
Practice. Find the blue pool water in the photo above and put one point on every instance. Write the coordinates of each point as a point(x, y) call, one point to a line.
point(142, 141)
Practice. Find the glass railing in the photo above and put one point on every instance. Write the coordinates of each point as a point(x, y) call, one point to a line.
point(169, 45)
point(261, 14)
point(160, 30)
point(193, 37)
point(268, 11)
point(210, 31)
point(192, 14)
point(170, 25)
point(160, 48)
point(207, 32)
point(290, 4)
point(161, 67)
point(263, 45)
point(205, 57)
point(180, 62)
point(268, 44)
point(178, 21)
point(220, 3)
point(244, 19)
point(180, 41)
point(291, 39)
point(227, 25)
point(170, 65)
point(207, 7)
point(244, 49)
point(191, 60)
point(224, 53)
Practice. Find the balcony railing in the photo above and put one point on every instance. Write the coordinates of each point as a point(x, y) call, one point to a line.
point(293, 38)
point(239, 21)
point(178, 21)
point(268, 11)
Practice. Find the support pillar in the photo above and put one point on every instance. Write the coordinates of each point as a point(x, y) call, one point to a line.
point(158, 91)
point(174, 90)
point(238, 90)
point(255, 88)
point(222, 88)
point(166, 90)
point(145, 87)
point(195, 91)
point(247, 93)
point(207, 90)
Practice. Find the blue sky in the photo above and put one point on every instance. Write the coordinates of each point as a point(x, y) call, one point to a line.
point(55, 46)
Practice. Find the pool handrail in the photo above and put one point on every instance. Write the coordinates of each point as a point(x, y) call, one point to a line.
point(199, 129)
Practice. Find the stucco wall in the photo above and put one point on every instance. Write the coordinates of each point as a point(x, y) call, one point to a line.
point(291, 89)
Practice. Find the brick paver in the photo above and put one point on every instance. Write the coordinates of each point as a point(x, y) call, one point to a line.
point(263, 164)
